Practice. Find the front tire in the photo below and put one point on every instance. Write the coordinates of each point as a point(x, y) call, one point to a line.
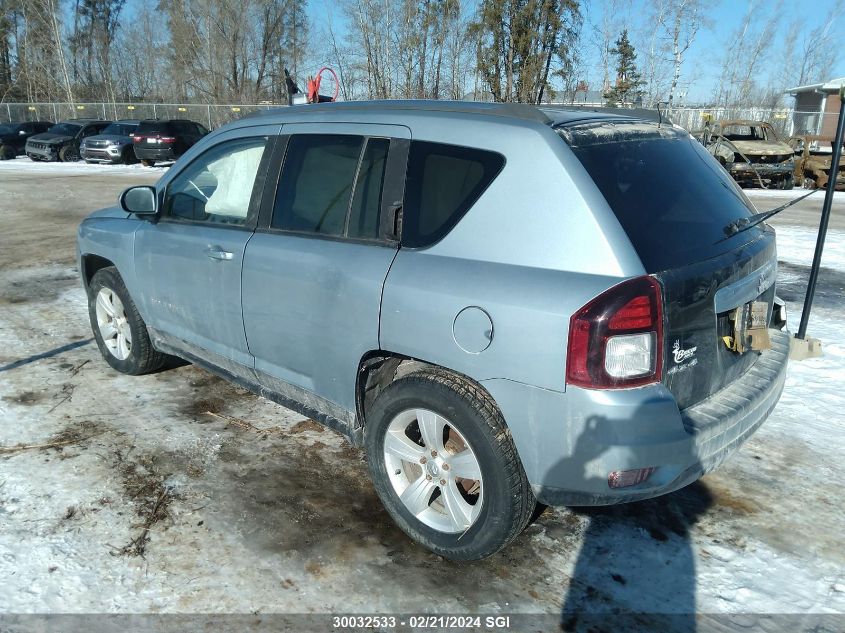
point(68, 154)
point(119, 330)
point(445, 467)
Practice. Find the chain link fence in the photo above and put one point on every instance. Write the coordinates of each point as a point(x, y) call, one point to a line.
point(786, 122)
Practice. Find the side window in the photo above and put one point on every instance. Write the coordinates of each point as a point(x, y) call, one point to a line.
point(442, 183)
point(366, 201)
point(218, 186)
point(316, 184)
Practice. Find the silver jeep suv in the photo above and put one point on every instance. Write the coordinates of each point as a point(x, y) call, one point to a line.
point(504, 305)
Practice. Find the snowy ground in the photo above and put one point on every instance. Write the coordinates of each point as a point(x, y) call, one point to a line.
point(249, 508)
point(24, 164)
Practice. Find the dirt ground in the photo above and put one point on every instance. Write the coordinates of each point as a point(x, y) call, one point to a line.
point(179, 493)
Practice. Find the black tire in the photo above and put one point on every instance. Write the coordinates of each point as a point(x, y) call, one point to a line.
point(127, 157)
point(34, 159)
point(508, 502)
point(142, 358)
point(788, 182)
point(146, 162)
point(68, 154)
point(7, 152)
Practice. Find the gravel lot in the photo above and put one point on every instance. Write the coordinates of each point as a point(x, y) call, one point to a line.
point(178, 493)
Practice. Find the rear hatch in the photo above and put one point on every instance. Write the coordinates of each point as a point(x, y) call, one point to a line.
point(674, 202)
point(155, 135)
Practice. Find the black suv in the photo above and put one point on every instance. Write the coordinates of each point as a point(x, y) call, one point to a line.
point(13, 136)
point(61, 141)
point(165, 140)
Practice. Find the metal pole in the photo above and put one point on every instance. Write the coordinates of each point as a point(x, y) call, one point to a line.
point(828, 202)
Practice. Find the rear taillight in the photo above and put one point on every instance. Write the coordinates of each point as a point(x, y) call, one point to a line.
point(167, 139)
point(616, 340)
point(137, 138)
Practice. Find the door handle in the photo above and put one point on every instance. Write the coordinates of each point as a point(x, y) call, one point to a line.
point(215, 252)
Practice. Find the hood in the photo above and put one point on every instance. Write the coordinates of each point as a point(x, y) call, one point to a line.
point(114, 138)
point(762, 148)
point(49, 137)
point(108, 212)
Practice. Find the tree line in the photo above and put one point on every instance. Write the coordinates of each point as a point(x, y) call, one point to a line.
point(530, 51)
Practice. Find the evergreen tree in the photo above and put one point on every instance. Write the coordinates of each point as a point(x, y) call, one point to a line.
point(628, 79)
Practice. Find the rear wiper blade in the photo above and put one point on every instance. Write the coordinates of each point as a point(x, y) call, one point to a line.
point(743, 224)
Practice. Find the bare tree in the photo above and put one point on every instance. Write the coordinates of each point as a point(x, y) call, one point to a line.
point(679, 21)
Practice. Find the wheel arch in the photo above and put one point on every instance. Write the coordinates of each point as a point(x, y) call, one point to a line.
point(379, 368)
point(90, 264)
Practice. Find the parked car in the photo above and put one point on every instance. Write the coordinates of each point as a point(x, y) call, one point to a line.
point(112, 145)
point(13, 136)
point(61, 141)
point(503, 305)
point(813, 158)
point(166, 140)
point(752, 153)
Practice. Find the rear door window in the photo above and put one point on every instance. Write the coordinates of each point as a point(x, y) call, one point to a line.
point(315, 188)
point(365, 214)
point(442, 183)
point(670, 196)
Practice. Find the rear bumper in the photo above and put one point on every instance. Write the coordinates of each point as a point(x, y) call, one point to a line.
point(570, 442)
point(155, 153)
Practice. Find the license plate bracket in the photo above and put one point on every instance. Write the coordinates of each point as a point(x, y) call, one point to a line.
point(750, 328)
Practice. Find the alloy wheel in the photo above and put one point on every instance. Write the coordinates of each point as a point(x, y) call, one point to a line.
point(433, 470)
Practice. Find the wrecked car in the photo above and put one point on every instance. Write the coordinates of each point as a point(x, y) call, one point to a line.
point(61, 141)
point(813, 158)
point(752, 153)
point(363, 264)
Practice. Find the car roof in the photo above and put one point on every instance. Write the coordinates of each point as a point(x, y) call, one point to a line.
point(551, 115)
point(84, 121)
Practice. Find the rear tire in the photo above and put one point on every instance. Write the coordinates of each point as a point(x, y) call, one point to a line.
point(146, 162)
point(119, 330)
point(7, 152)
point(434, 504)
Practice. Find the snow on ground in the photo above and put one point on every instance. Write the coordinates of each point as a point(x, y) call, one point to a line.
point(251, 508)
point(791, 194)
point(22, 163)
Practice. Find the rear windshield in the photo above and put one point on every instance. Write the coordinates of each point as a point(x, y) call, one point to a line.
point(68, 129)
point(153, 127)
point(122, 129)
point(671, 197)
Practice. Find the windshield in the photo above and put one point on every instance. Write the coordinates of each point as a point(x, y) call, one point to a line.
point(8, 129)
point(66, 129)
point(671, 197)
point(747, 133)
point(121, 129)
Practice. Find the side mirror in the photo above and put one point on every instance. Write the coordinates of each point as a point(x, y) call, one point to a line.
point(139, 200)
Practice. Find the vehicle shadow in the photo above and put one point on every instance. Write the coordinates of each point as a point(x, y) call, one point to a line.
point(636, 569)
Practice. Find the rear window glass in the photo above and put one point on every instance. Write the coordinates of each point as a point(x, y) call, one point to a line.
point(153, 127)
point(671, 197)
point(442, 183)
